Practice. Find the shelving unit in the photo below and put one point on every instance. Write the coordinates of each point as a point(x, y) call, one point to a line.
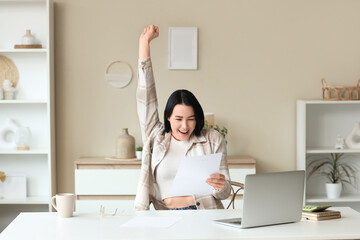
point(318, 125)
point(33, 105)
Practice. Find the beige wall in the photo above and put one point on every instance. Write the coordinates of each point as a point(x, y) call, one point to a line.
point(256, 57)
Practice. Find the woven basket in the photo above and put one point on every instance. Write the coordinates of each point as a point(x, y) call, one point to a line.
point(8, 71)
point(340, 92)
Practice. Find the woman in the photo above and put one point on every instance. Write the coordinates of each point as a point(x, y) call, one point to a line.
point(182, 134)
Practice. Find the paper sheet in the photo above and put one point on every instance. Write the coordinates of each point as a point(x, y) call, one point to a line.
point(151, 222)
point(192, 174)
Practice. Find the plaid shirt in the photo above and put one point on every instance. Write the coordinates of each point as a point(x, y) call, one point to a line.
point(156, 145)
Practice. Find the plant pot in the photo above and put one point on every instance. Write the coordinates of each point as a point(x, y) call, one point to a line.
point(138, 154)
point(333, 190)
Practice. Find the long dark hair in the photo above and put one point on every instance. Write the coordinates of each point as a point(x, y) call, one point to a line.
point(185, 97)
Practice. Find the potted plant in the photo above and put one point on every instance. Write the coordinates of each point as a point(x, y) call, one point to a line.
point(223, 131)
point(139, 152)
point(336, 170)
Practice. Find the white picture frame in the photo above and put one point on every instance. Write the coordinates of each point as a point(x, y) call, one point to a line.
point(183, 48)
point(14, 187)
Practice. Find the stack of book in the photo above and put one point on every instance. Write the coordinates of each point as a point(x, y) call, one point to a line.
point(324, 215)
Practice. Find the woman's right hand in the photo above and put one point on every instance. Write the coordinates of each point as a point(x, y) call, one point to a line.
point(146, 36)
point(149, 34)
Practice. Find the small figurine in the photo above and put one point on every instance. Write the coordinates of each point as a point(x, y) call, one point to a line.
point(340, 142)
point(9, 90)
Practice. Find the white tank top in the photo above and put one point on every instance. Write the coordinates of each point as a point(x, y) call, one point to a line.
point(168, 167)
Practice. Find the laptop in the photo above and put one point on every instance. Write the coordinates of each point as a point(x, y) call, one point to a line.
point(270, 198)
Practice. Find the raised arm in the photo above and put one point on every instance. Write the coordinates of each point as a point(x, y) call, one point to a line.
point(146, 37)
point(146, 93)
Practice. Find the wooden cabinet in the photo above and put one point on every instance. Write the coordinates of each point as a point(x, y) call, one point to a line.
point(32, 107)
point(113, 183)
point(318, 125)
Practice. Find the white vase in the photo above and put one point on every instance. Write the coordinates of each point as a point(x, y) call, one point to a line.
point(353, 140)
point(333, 190)
point(8, 134)
point(28, 38)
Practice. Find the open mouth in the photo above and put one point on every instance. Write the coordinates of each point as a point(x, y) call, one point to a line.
point(184, 132)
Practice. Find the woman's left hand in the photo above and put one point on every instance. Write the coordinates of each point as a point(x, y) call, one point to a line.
point(217, 181)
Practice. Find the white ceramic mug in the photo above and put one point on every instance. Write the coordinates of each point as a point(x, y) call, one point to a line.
point(64, 203)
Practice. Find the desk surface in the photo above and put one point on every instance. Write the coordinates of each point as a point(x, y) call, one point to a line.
point(193, 225)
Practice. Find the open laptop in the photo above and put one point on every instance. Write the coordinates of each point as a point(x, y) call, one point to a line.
point(271, 198)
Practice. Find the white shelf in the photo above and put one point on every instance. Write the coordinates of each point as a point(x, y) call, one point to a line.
point(331, 102)
point(21, 101)
point(331, 150)
point(319, 123)
point(28, 200)
point(24, 50)
point(24, 152)
point(343, 198)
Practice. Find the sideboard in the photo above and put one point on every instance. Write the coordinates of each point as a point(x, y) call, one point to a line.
point(113, 183)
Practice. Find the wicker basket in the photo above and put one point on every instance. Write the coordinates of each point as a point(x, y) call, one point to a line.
point(335, 93)
point(8, 71)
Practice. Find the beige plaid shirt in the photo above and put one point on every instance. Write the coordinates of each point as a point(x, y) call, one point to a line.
point(156, 145)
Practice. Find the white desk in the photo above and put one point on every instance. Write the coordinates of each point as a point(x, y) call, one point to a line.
point(193, 225)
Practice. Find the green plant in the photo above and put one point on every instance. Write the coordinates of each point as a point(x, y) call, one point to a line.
point(140, 148)
point(223, 131)
point(334, 168)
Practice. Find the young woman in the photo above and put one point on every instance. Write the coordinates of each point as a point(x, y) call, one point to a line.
point(182, 134)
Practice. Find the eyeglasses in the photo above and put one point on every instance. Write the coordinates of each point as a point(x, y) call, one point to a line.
point(102, 211)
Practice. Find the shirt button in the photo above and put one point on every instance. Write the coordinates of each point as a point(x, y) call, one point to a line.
point(197, 204)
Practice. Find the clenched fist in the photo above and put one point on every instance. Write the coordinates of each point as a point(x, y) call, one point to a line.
point(146, 36)
point(149, 33)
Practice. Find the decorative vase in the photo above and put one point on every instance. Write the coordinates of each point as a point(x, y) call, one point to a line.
point(28, 38)
point(125, 145)
point(333, 190)
point(9, 90)
point(353, 140)
point(23, 138)
point(340, 142)
point(8, 134)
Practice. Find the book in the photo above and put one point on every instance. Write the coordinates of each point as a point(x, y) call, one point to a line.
point(324, 215)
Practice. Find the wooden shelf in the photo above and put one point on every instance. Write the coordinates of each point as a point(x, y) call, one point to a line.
point(84, 162)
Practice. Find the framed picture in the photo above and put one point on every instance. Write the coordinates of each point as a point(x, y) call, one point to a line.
point(183, 48)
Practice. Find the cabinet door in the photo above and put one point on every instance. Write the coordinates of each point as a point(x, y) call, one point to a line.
point(106, 181)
